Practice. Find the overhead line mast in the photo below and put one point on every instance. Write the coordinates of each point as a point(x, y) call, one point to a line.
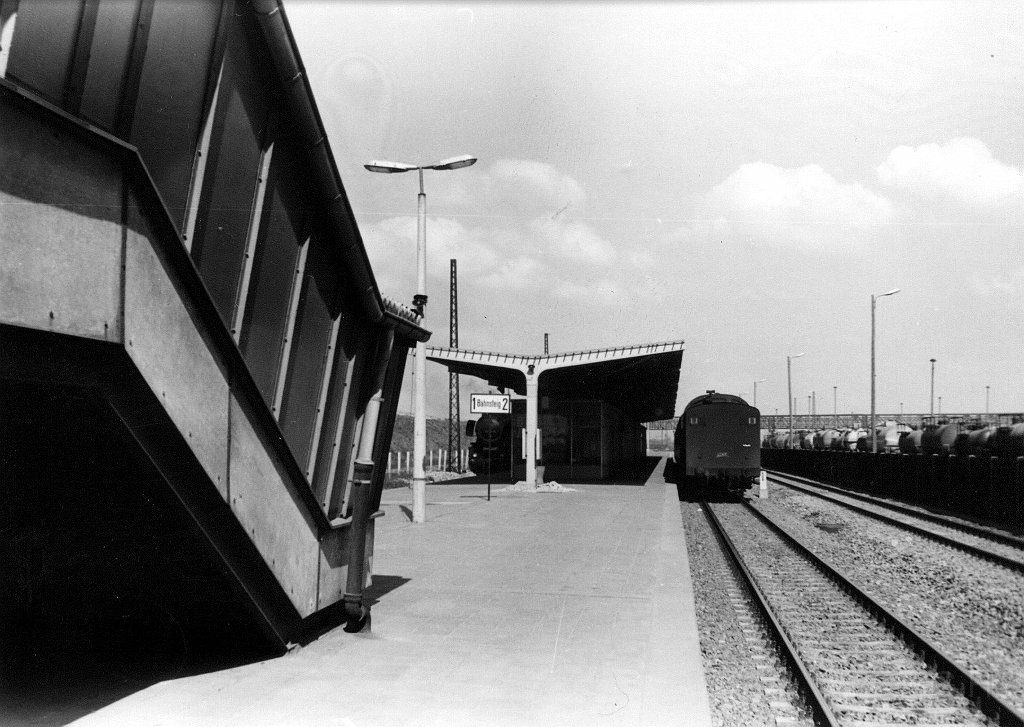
point(454, 417)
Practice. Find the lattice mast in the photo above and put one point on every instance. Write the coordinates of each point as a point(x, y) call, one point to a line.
point(454, 418)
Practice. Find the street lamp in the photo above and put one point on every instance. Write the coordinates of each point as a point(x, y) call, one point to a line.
point(789, 386)
point(419, 302)
point(986, 401)
point(759, 381)
point(874, 429)
point(931, 404)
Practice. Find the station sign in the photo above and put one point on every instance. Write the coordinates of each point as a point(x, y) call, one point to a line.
point(489, 403)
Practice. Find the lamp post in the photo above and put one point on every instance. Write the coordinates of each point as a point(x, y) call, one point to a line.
point(761, 381)
point(419, 302)
point(931, 401)
point(874, 429)
point(986, 401)
point(789, 386)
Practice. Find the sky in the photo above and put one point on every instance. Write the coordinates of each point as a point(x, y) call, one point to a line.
point(742, 176)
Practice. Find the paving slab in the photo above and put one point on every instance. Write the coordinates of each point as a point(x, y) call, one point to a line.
point(547, 608)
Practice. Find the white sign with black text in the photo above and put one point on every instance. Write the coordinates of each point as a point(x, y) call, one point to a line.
point(489, 403)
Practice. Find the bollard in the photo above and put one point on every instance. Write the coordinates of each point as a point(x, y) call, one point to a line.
point(763, 485)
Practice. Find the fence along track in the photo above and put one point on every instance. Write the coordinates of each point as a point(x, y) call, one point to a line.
point(871, 670)
point(1012, 555)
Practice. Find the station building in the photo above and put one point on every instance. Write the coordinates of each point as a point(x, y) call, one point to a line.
point(583, 411)
point(198, 372)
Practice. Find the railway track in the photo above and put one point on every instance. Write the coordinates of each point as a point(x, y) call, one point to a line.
point(992, 545)
point(854, 662)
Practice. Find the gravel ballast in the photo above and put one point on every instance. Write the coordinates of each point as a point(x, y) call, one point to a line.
point(972, 609)
point(740, 692)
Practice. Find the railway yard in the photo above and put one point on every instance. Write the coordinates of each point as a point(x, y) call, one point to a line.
point(879, 615)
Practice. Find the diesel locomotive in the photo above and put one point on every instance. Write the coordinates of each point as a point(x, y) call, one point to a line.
point(718, 445)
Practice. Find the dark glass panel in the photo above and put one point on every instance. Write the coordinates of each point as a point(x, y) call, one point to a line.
point(108, 60)
point(349, 417)
point(43, 45)
point(270, 292)
point(172, 87)
point(309, 350)
point(334, 419)
point(236, 145)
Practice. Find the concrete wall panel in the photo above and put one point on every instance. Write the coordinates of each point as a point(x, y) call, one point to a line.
point(334, 565)
point(60, 231)
point(272, 518)
point(162, 340)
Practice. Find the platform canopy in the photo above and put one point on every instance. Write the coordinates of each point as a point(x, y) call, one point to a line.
point(641, 380)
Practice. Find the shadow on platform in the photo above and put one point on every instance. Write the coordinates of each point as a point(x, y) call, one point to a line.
point(381, 586)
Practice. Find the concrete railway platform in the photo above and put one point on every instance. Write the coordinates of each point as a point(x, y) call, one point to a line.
point(548, 608)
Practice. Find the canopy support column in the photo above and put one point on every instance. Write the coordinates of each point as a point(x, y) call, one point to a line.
point(531, 450)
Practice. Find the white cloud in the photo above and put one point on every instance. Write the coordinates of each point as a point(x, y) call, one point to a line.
point(962, 168)
point(605, 292)
point(805, 206)
point(533, 188)
point(574, 241)
point(1000, 285)
point(516, 274)
point(519, 252)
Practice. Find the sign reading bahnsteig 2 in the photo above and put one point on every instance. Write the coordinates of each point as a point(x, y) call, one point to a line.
point(489, 403)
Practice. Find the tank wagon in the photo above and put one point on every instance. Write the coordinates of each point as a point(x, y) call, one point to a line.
point(717, 444)
point(939, 437)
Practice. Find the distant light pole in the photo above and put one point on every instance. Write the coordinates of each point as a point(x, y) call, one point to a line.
point(931, 404)
point(986, 401)
point(789, 386)
point(874, 432)
point(940, 405)
point(761, 381)
point(419, 302)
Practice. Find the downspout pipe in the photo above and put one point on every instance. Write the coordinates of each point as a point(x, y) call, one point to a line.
point(357, 615)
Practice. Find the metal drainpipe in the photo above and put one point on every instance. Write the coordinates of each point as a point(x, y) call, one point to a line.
point(357, 615)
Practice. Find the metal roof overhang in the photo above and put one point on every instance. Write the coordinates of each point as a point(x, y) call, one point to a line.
point(641, 381)
point(310, 135)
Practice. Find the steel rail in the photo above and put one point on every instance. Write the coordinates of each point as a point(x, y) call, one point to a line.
point(998, 558)
point(822, 713)
point(986, 700)
point(982, 532)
